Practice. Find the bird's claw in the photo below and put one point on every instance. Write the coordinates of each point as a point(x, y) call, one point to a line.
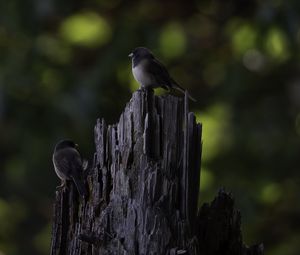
point(60, 187)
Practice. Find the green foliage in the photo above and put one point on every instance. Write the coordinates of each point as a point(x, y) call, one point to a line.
point(271, 193)
point(276, 45)
point(243, 36)
point(172, 40)
point(86, 29)
point(64, 64)
point(217, 123)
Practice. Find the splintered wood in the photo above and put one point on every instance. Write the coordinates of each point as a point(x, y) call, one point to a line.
point(143, 187)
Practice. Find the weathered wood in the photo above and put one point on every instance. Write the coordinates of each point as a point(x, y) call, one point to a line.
point(143, 190)
point(219, 228)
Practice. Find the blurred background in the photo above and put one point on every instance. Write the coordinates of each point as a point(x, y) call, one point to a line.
point(63, 64)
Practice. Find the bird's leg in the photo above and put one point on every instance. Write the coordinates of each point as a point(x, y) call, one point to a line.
point(168, 89)
point(150, 89)
point(142, 88)
point(63, 184)
point(85, 164)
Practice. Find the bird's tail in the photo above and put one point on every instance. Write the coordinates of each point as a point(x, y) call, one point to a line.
point(182, 90)
point(80, 186)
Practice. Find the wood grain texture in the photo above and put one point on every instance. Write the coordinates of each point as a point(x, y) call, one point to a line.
point(143, 190)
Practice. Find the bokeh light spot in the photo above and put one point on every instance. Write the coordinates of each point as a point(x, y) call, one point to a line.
point(271, 193)
point(11, 214)
point(125, 77)
point(86, 29)
point(276, 45)
point(43, 239)
point(290, 246)
point(243, 38)
point(133, 84)
point(206, 180)
point(4, 209)
point(123, 73)
point(216, 123)
point(160, 91)
point(51, 80)
point(253, 60)
point(172, 40)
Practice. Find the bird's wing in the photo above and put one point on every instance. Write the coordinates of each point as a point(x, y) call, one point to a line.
point(62, 163)
point(69, 162)
point(77, 171)
point(76, 163)
point(163, 77)
point(160, 73)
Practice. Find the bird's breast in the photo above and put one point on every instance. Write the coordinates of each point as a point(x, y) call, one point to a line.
point(58, 171)
point(142, 76)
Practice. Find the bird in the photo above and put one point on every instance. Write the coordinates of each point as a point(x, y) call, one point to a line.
point(68, 164)
point(149, 72)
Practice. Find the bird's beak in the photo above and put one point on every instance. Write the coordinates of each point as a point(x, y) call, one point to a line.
point(76, 145)
point(130, 55)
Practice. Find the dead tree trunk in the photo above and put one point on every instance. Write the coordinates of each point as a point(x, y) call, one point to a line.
point(143, 190)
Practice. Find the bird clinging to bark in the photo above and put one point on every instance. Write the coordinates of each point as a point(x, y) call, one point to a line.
point(68, 165)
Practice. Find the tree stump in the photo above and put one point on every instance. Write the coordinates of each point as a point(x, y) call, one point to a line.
point(143, 190)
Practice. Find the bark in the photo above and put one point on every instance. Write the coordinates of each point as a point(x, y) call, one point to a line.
point(143, 190)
